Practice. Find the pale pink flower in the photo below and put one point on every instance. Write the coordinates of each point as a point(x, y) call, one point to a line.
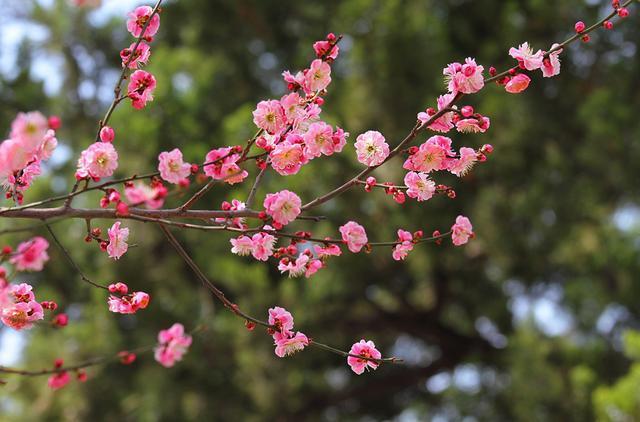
point(517, 84)
point(293, 106)
point(173, 343)
point(462, 165)
point(22, 315)
point(138, 18)
point(287, 158)
point(318, 76)
point(130, 303)
point(283, 206)
point(29, 129)
point(49, 143)
point(171, 166)
point(58, 380)
point(269, 115)
point(31, 255)
point(140, 57)
point(405, 245)
point(371, 148)
point(318, 140)
point(551, 65)
point(443, 123)
point(420, 186)
point(524, 55)
point(289, 345)
point(466, 78)
point(473, 124)
point(431, 155)
point(295, 81)
point(117, 241)
point(281, 320)
point(242, 245)
point(461, 231)
point(151, 196)
point(354, 235)
point(366, 349)
point(263, 244)
point(13, 157)
point(140, 88)
point(99, 160)
point(295, 268)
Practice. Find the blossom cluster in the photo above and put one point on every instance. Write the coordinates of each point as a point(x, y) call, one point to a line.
point(172, 345)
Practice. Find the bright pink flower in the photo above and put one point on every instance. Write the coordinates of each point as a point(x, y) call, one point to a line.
point(263, 244)
point(466, 78)
point(319, 140)
point(151, 196)
point(31, 255)
point(283, 206)
point(322, 49)
point(293, 106)
point(138, 18)
point(107, 134)
point(318, 77)
point(313, 266)
point(13, 157)
point(551, 65)
point(281, 319)
point(443, 123)
point(29, 129)
point(461, 231)
point(140, 57)
point(525, 56)
point(462, 165)
point(269, 115)
point(235, 205)
point(473, 124)
point(366, 349)
point(140, 88)
point(128, 304)
point(22, 292)
point(420, 186)
point(431, 155)
point(224, 166)
point(173, 343)
point(58, 380)
point(117, 241)
point(99, 160)
point(517, 84)
point(22, 315)
point(295, 268)
point(287, 158)
point(371, 148)
point(405, 245)
point(171, 166)
point(354, 235)
point(289, 345)
point(295, 81)
point(325, 251)
point(242, 245)
point(339, 139)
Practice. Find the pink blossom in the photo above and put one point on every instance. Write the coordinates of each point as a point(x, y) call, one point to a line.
point(295, 81)
point(117, 241)
point(466, 78)
point(22, 315)
point(128, 304)
point(322, 49)
point(295, 268)
point(283, 206)
point(325, 251)
point(293, 106)
point(151, 196)
point(462, 165)
point(242, 245)
point(354, 235)
point(371, 148)
point(49, 143)
point(473, 124)
point(281, 320)
point(140, 88)
point(431, 155)
point(420, 186)
point(269, 115)
point(263, 244)
point(517, 84)
point(99, 160)
point(223, 165)
point(288, 345)
point(287, 158)
point(404, 246)
point(13, 157)
point(526, 57)
point(173, 343)
point(443, 123)
point(366, 349)
point(551, 65)
point(138, 18)
point(318, 77)
point(339, 138)
point(461, 231)
point(58, 380)
point(313, 266)
point(31, 255)
point(171, 166)
point(140, 57)
point(29, 129)
point(319, 140)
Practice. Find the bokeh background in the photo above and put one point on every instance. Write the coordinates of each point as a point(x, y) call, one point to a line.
point(532, 321)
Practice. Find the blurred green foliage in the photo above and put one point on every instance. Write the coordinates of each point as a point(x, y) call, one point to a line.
point(525, 323)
